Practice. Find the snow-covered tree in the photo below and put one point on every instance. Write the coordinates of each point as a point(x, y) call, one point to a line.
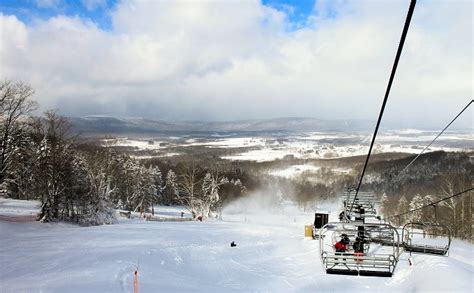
point(100, 210)
point(384, 204)
point(144, 192)
point(18, 179)
point(416, 203)
point(429, 212)
point(279, 199)
point(77, 197)
point(158, 182)
point(127, 181)
point(450, 186)
point(15, 104)
point(210, 192)
point(239, 184)
point(189, 191)
point(402, 207)
point(54, 167)
point(171, 190)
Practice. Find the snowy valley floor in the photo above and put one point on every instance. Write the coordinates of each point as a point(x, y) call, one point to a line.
point(271, 255)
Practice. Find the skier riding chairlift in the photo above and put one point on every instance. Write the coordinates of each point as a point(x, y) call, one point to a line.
point(341, 246)
point(358, 247)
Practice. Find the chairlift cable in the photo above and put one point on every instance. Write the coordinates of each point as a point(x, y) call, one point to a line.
point(430, 204)
point(412, 161)
point(387, 92)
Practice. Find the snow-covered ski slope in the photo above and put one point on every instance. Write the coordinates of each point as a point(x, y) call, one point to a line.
point(271, 256)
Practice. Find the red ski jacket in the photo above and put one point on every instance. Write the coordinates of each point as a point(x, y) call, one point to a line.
point(340, 246)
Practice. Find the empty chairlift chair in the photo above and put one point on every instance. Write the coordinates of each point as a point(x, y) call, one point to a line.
point(360, 209)
point(429, 238)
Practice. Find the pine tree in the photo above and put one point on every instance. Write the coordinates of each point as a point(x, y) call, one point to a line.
point(158, 180)
point(99, 209)
point(18, 180)
point(144, 193)
point(171, 188)
point(54, 168)
point(79, 197)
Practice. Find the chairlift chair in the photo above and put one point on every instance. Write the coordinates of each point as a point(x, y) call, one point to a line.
point(428, 238)
point(360, 208)
point(377, 260)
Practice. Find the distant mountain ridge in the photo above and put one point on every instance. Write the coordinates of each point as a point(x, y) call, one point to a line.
point(115, 125)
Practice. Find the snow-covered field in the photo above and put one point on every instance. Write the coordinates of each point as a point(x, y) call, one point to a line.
point(11, 207)
point(232, 142)
point(316, 145)
point(314, 150)
point(138, 144)
point(18, 210)
point(294, 171)
point(271, 255)
point(264, 155)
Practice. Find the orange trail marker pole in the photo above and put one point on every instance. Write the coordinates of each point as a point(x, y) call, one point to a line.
point(135, 282)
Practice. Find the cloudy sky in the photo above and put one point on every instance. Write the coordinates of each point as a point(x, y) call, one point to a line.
point(237, 59)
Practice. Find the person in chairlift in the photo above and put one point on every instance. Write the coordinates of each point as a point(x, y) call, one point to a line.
point(358, 249)
point(341, 245)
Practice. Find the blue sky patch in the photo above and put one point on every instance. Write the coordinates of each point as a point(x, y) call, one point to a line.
point(297, 10)
point(29, 10)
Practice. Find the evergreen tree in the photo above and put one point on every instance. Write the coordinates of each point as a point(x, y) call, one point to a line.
point(171, 188)
point(144, 192)
point(54, 168)
point(99, 208)
point(18, 180)
point(158, 183)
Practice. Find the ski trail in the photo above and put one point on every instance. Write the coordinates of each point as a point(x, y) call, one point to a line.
point(124, 276)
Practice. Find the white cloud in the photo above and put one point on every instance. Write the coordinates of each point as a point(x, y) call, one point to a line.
point(232, 60)
point(94, 4)
point(47, 3)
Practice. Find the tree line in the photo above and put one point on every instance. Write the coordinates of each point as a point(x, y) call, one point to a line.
point(434, 176)
point(40, 159)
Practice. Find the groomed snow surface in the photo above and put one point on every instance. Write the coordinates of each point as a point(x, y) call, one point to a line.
point(271, 256)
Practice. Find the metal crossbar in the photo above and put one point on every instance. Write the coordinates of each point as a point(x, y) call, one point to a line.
point(374, 264)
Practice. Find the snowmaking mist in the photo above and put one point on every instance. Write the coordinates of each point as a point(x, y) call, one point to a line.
point(269, 207)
